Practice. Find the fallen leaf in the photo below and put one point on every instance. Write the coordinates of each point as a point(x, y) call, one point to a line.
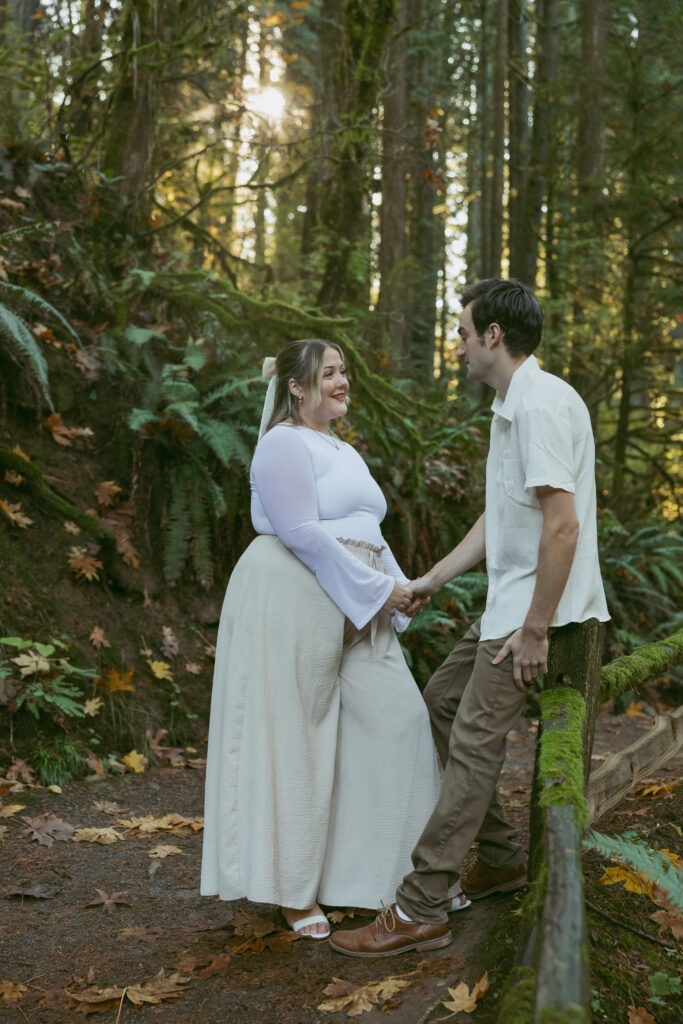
point(357, 999)
point(44, 333)
point(201, 922)
point(7, 810)
point(107, 806)
point(54, 788)
point(633, 881)
point(635, 710)
point(98, 639)
point(464, 1001)
point(16, 479)
point(249, 925)
point(96, 765)
point(162, 851)
point(193, 668)
point(15, 515)
point(139, 933)
point(107, 902)
point(666, 919)
point(93, 706)
point(639, 1016)
point(85, 566)
point(114, 681)
point(161, 669)
point(106, 492)
point(71, 527)
point(20, 771)
point(159, 990)
point(37, 892)
point(168, 823)
point(18, 450)
point(169, 644)
point(61, 433)
point(658, 789)
point(219, 965)
point(136, 762)
point(104, 836)
point(47, 828)
point(30, 664)
point(10, 992)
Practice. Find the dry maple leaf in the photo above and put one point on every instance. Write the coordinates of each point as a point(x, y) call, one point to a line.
point(18, 450)
point(20, 771)
point(30, 664)
point(635, 710)
point(658, 789)
point(193, 668)
point(15, 515)
point(107, 806)
point(639, 1016)
point(7, 810)
point(357, 999)
point(161, 669)
point(464, 1001)
point(170, 644)
point(106, 492)
point(107, 902)
point(85, 566)
point(250, 925)
point(159, 990)
point(13, 478)
point(93, 706)
point(63, 434)
point(103, 836)
point(114, 681)
point(98, 639)
point(10, 992)
point(136, 762)
point(633, 881)
point(71, 527)
point(96, 765)
point(219, 965)
point(161, 851)
point(47, 828)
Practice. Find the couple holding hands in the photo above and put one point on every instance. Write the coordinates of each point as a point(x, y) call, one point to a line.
point(322, 775)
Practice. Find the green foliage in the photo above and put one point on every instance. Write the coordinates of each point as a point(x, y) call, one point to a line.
point(21, 345)
point(655, 866)
point(58, 760)
point(41, 679)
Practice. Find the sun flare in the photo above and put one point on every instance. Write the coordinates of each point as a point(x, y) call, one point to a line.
point(268, 102)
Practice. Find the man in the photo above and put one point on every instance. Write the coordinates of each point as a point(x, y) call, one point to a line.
point(539, 537)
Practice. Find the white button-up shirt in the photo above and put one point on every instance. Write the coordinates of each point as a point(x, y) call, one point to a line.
point(541, 435)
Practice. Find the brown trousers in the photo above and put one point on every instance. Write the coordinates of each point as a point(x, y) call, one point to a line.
point(473, 705)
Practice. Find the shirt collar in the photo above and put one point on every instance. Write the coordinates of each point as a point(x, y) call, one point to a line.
point(518, 382)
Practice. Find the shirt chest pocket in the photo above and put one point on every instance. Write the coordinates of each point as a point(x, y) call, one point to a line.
point(513, 484)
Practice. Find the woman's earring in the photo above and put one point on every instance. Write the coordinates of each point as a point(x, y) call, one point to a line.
point(300, 399)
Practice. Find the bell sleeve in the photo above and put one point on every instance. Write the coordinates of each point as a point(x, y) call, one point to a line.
point(283, 476)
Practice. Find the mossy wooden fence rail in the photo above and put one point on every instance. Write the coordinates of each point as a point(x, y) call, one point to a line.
point(550, 982)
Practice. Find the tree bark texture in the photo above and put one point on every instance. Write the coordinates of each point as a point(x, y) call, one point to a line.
point(498, 139)
point(519, 134)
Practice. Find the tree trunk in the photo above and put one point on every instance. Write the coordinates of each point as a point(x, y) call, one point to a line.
point(547, 35)
point(519, 134)
point(392, 304)
point(498, 139)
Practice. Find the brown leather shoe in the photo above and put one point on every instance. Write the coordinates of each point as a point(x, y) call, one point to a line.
point(483, 880)
point(388, 935)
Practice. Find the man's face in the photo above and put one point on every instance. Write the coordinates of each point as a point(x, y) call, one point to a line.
point(472, 348)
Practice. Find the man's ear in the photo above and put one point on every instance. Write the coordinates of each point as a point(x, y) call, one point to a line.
point(493, 336)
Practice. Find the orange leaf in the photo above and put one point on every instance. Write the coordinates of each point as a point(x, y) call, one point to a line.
point(63, 434)
point(85, 566)
point(113, 681)
point(15, 515)
point(106, 492)
point(639, 1016)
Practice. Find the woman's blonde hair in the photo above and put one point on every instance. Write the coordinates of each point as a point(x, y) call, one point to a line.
point(304, 362)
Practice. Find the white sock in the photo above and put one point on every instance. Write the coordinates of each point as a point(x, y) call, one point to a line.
point(404, 917)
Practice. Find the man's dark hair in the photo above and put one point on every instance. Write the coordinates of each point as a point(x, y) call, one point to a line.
point(511, 305)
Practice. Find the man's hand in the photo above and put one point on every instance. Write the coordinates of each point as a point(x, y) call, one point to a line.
point(529, 652)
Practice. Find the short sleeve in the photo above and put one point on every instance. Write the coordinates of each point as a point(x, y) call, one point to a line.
point(546, 439)
point(283, 475)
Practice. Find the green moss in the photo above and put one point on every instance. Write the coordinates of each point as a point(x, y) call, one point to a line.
point(650, 660)
point(572, 1014)
point(560, 765)
point(517, 999)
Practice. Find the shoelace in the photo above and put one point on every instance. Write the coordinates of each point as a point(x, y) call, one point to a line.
point(385, 921)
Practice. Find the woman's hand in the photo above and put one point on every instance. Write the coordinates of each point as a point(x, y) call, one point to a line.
point(399, 599)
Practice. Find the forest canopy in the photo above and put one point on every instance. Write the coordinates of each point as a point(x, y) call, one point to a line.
point(185, 186)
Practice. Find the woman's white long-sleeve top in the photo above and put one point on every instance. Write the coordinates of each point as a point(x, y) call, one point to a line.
point(313, 491)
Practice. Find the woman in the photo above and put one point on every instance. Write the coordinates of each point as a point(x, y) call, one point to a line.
point(321, 770)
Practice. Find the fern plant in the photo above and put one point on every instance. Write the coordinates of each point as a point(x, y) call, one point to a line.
point(43, 679)
point(655, 866)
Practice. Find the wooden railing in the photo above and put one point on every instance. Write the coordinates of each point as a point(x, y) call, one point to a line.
point(550, 980)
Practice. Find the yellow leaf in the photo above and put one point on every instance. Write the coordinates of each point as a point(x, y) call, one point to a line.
point(162, 851)
point(161, 669)
point(85, 566)
point(18, 450)
point(633, 881)
point(10, 992)
point(635, 710)
point(113, 681)
point(464, 1001)
point(136, 762)
point(657, 789)
point(13, 478)
point(15, 515)
point(104, 836)
point(8, 810)
point(54, 788)
point(106, 492)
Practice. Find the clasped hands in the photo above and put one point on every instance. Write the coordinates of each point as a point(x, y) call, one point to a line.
point(409, 598)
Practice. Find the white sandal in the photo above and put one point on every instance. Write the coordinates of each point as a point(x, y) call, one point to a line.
point(458, 899)
point(305, 922)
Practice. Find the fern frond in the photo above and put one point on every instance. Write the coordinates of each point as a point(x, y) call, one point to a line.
point(25, 347)
point(32, 299)
point(177, 529)
point(656, 866)
point(223, 439)
point(201, 547)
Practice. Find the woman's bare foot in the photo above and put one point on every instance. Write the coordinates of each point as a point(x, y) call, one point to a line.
point(320, 928)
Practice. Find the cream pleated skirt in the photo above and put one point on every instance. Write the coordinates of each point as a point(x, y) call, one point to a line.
point(321, 770)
